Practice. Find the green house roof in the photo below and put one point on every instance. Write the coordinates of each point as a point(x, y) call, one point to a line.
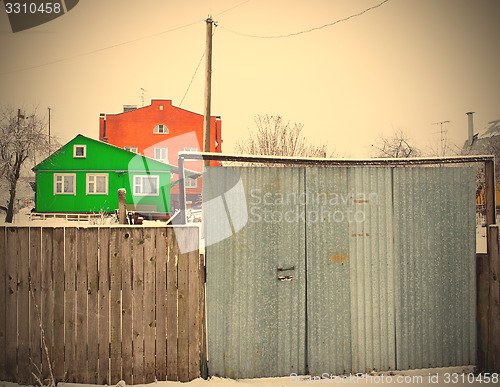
point(98, 156)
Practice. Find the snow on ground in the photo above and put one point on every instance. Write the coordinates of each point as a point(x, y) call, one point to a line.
point(451, 376)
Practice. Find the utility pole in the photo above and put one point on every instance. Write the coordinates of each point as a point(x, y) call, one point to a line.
point(49, 129)
point(208, 89)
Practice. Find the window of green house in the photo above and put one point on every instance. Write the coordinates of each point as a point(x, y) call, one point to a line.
point(97, 183)
point(79, 151)
point(64, 184)
point(146, 185)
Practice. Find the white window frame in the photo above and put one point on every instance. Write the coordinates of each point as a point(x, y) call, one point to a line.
point(164, 129)
point(190, 183)
point(62, 176)
point(140, 185)
point(75, 146)
point(94, 175)
point(164, 160)
point(132, 149)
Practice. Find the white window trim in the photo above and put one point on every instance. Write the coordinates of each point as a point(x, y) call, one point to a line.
point(131, 149)
point(194, 182)
point(165, 160)
point(63, 175)
point(95, 175)
point(84, 151)
point(156, 129)
point(157, 177)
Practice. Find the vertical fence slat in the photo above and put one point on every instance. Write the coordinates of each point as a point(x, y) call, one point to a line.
point(149, 306)
point(193, 304)
point(23, 359)
point(70, 365)
point(47, 306)
point(92, 311)
point(11, 306)
point(116, 279)
point(201, 311)
point(161, 299)
point(138, 304)
point(58, 262)
point(81, 306)
point(183, 313)
point(104, 286)
point(126, 258)
point(3, 311)
point(172, 260)
point(35, 302)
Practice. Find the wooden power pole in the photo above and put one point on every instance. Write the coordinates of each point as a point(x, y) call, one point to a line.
point(208, 89)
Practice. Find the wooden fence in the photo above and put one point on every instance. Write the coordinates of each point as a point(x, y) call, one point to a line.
point(100, 304)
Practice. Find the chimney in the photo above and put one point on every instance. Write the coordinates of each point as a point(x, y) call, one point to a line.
point(129, 108)
point(103, 116)
point(471, 127)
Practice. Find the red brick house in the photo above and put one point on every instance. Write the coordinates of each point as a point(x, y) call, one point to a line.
point(160, 131)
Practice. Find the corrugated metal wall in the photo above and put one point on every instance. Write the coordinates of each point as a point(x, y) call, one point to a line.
point(383, 269)
point(256, 323)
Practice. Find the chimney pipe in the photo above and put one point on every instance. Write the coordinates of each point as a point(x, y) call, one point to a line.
point(104, 138)
point(471, 127)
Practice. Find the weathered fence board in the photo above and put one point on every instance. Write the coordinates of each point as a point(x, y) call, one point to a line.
point(58, 262)
point(35, 300)
point(99, 304)
point(103, 320)
point(3, 311)
point(70, 304)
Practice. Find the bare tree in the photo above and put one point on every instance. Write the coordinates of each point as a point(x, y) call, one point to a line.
point(397, 145)
point(21, 137)
point(274, 136)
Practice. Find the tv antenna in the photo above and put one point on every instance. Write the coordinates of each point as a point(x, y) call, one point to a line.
point(143, 91)
point(443, 135)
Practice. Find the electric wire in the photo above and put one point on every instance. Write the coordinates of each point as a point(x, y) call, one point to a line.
point(305, 31)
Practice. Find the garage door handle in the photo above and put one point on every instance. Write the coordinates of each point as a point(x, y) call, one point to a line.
point(285, 278)
point(286, 269)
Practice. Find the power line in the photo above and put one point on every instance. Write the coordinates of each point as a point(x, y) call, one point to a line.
point(305, 31)
point(229, 9)
point(101, 49)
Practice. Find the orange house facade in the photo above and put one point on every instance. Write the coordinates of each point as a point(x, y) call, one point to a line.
point(160, 131)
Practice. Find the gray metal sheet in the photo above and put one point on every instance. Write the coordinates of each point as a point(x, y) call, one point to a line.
point(434, 214)
point(256, 324)
point(350, 267)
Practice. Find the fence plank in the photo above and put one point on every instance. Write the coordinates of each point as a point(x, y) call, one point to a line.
point(183, 313)
point(126, 258)
point(161, 299)
point(149, 306)
point(3, 311)
point(138, 304)
point(116, 279)
point(47, 306)
point(92, 300)
point(201, 311)
point(11, 306)
point(104, 286)
point(58, 262)
point(172, 260)
point(193, 304)
point(23, 355)
point(35, 276)
point(81, 306)
point(70, 304)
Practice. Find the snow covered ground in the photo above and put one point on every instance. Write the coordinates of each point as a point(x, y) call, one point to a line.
point(452, 376)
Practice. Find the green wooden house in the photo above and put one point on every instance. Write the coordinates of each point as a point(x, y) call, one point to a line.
point(84, 176)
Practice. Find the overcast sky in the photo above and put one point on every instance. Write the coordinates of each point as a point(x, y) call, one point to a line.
point(404, 65)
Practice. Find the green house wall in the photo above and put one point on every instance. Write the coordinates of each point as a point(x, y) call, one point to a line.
point(120, 165)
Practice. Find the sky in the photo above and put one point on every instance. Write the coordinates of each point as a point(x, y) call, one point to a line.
point(403, 65)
